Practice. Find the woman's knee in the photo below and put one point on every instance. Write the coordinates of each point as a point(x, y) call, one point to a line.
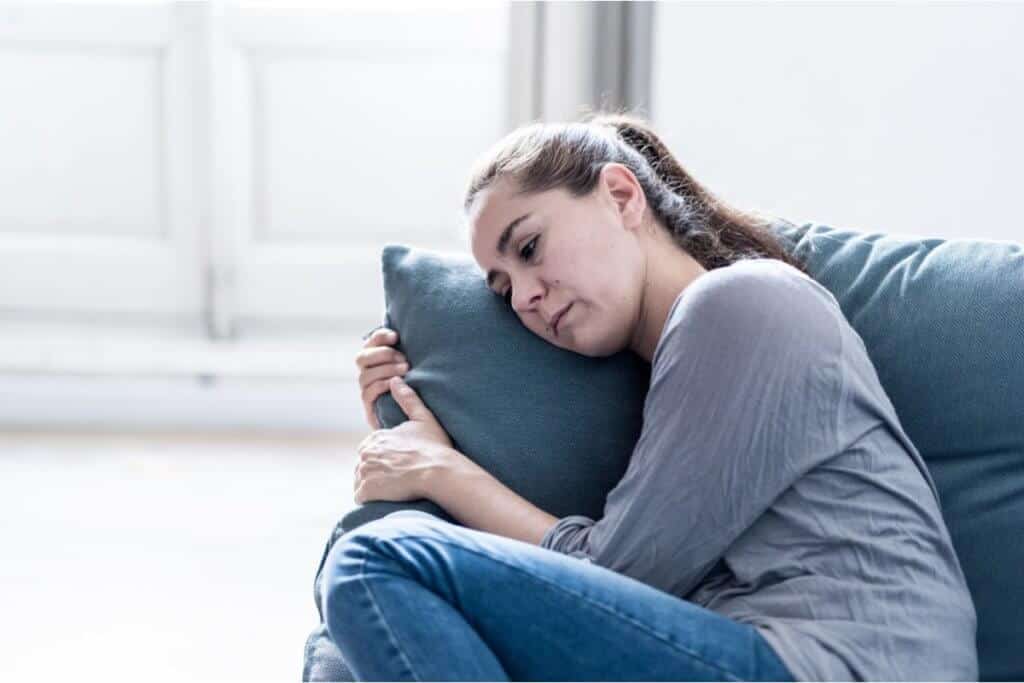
point(394, 527)
point(386, 541)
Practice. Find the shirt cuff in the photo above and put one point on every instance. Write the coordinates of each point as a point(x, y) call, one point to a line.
point(561, 535)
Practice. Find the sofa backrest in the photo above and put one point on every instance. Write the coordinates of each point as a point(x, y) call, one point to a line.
point(943, 323)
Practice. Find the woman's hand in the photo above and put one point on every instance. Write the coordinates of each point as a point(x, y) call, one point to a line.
point(378, 363)
point(394, 463)
point(416, 460)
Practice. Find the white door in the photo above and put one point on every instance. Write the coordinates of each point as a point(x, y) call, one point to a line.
point(201, 190)
point(169, 160)
point(337, 132)
point(98, 211)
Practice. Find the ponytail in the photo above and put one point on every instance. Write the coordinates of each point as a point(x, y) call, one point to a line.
point(540, 157)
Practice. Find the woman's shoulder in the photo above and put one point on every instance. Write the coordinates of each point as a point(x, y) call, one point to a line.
point(763, 303)
point(755, 279)
point(753, 291)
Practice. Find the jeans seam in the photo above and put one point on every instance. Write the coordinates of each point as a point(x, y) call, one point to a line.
point(636, 624)
point(380, 614)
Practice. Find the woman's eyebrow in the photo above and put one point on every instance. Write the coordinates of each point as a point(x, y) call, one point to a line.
point(506, 237)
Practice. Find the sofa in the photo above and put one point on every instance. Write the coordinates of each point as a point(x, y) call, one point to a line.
point(943, 322)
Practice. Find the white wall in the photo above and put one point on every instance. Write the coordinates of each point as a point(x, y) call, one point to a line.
point(880, 117)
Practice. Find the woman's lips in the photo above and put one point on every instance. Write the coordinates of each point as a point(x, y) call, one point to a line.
point(561, 317)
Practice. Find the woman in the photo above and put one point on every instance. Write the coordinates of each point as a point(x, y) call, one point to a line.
point(774, 523)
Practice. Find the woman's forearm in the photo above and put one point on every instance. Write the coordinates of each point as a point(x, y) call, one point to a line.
point(476, 499)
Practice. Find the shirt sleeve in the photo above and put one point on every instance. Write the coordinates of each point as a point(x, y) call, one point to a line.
point(743, 400)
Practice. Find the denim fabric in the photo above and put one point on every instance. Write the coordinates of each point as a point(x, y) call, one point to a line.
point(413, 597)
point(321, 659)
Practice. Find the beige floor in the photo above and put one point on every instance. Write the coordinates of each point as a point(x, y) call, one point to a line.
point(163, 557)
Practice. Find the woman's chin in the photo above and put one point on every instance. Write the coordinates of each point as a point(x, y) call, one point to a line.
point(585, 347)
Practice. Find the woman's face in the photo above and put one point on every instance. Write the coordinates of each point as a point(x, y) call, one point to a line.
point(581, 252)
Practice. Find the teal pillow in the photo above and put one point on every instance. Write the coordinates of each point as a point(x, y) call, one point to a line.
point(943, 323)
point(556, 427)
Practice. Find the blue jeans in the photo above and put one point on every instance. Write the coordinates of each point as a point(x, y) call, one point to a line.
point(412, 597)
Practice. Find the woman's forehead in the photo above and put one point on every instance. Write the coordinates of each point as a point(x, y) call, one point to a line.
point(491, 211)
point(494, 198)
point(494, 221)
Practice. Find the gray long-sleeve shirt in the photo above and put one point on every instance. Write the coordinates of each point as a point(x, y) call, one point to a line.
point(773, 483)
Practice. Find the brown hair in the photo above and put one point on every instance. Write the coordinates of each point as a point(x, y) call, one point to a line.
point(541, 157)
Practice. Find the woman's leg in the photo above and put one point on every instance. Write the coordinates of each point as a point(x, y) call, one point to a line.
point(412, 597)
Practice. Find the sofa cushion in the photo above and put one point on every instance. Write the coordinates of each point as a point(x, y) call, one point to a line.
point(943, 323)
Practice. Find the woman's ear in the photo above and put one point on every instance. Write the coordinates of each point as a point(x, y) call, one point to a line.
point(625, 192)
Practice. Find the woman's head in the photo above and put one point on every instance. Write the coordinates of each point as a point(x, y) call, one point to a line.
point(595, 207)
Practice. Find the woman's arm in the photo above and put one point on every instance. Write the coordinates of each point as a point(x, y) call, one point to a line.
point(743, 401)
point(476, 499)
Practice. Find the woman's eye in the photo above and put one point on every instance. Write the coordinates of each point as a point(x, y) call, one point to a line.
point(531, 246)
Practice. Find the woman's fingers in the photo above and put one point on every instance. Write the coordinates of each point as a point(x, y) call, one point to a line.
point(380, 337)
point(374, 389)
point(375, 355)
point(379, 355)
point(377, 363)
point(371, 376)
point(371, 393)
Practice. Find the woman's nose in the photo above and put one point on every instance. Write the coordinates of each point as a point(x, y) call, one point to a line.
point(525, 295)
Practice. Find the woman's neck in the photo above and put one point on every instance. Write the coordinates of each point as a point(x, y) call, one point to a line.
point(669, 270)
